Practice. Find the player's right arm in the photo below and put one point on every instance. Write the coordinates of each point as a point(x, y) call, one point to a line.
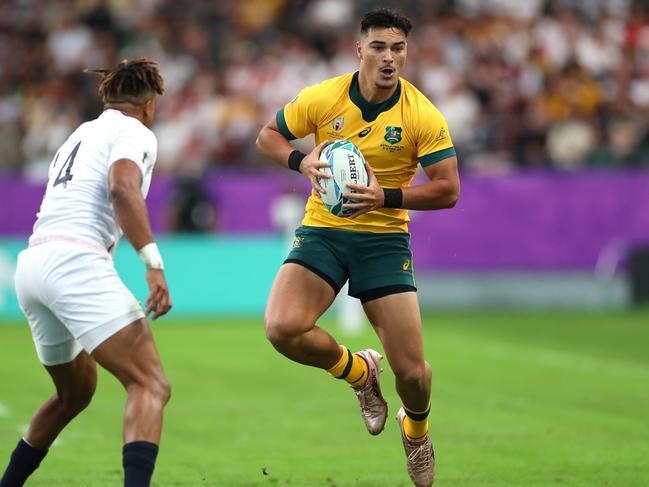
point(272, 143)
point(124, 184)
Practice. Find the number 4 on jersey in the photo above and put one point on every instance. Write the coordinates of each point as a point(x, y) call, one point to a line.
point(67, 165)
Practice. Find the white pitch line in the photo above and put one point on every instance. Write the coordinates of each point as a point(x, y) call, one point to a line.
point(4, 410)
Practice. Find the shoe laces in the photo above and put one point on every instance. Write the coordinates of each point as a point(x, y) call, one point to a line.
point(420, 457)
point(366, 394)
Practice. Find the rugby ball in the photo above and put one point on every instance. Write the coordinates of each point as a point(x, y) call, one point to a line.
point(346, 165)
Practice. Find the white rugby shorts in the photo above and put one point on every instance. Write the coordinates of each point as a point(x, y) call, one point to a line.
point(72, 297)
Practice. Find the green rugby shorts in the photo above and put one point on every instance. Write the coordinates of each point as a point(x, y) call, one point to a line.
point(376, 264)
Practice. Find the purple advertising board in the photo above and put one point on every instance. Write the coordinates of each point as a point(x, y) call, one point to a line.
point(521, 221)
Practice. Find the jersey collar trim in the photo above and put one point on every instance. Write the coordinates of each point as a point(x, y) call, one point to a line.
point(371, 110)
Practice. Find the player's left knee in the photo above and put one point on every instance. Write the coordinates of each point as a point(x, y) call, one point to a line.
point(165, 390)
point(158, 387)
point(415, 375)
point(74, 401)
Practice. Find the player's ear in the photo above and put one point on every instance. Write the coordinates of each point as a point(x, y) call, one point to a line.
point(358, 50)
point(148, 110)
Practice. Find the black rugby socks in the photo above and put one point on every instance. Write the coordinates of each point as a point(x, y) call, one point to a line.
point(24, 460)
point(138, 458)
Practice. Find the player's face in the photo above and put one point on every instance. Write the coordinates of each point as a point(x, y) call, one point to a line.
point(382, 54)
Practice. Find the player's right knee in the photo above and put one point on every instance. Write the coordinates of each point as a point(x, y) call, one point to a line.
point(281, 332)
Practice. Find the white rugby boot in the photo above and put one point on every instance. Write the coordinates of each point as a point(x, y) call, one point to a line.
point(374, 409)
point(420, 457)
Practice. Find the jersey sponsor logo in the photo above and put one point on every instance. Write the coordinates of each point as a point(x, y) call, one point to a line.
point(406, 265)
point(441, 135)
point(392, 134)
point(338, 124)
point(364, 132)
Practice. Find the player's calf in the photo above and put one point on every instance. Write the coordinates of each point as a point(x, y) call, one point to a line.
point(75, 383)
point(57, 412)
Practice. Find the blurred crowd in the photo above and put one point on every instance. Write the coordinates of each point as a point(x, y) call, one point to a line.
point(560, 84)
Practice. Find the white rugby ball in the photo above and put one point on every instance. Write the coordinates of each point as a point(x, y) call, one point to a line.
point(346, 165)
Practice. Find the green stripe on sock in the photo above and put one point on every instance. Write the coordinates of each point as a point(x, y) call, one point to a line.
point(348, 367)
point(360, 379)
point(417, 416)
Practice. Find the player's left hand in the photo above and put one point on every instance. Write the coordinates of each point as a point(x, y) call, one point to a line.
point(367, 198)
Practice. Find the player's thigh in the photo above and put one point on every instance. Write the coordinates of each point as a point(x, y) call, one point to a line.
point(397, 321)
point(54, 343)
point(309, 280)
point(92, 301)
point(132, 357)
point(297, 299)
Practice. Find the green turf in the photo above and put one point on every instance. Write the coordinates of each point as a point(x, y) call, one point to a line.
point(519, 400)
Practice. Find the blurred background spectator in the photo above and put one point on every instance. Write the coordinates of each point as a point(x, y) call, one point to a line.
point(524, 83)
point(191, 208)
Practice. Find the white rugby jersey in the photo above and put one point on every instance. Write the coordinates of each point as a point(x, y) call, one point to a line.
point(77, 201)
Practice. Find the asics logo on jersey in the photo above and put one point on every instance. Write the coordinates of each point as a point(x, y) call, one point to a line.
point(364, 132)
point(406, 265)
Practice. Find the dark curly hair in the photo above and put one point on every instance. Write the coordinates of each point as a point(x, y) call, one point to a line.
point(130, 82)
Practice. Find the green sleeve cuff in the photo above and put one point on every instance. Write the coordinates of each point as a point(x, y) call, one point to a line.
point(434, 157)
point(281, 124)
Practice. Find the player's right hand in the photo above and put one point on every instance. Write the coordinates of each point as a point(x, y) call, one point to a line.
point(311, 165)
point(159, 301)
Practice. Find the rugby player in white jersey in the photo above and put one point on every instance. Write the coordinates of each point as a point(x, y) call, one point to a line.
point(79, 311)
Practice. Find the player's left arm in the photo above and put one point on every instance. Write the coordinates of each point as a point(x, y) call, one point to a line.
point(441, 191)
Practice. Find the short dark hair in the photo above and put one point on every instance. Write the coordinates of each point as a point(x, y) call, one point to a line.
point(130, 82)
point(385, 18)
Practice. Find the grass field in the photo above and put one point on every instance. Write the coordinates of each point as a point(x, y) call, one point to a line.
point(519, 400)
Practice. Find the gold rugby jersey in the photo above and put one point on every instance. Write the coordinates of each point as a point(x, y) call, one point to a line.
point(393, 136)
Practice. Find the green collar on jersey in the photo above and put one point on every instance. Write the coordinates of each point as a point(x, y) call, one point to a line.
point(371, 110)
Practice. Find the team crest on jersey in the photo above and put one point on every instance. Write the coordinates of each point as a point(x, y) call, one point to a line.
point(441, 135)
point(338, 124)
point(297, 243)
point(392, 134)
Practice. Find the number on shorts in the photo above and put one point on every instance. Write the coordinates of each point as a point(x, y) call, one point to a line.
point(67, 165)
